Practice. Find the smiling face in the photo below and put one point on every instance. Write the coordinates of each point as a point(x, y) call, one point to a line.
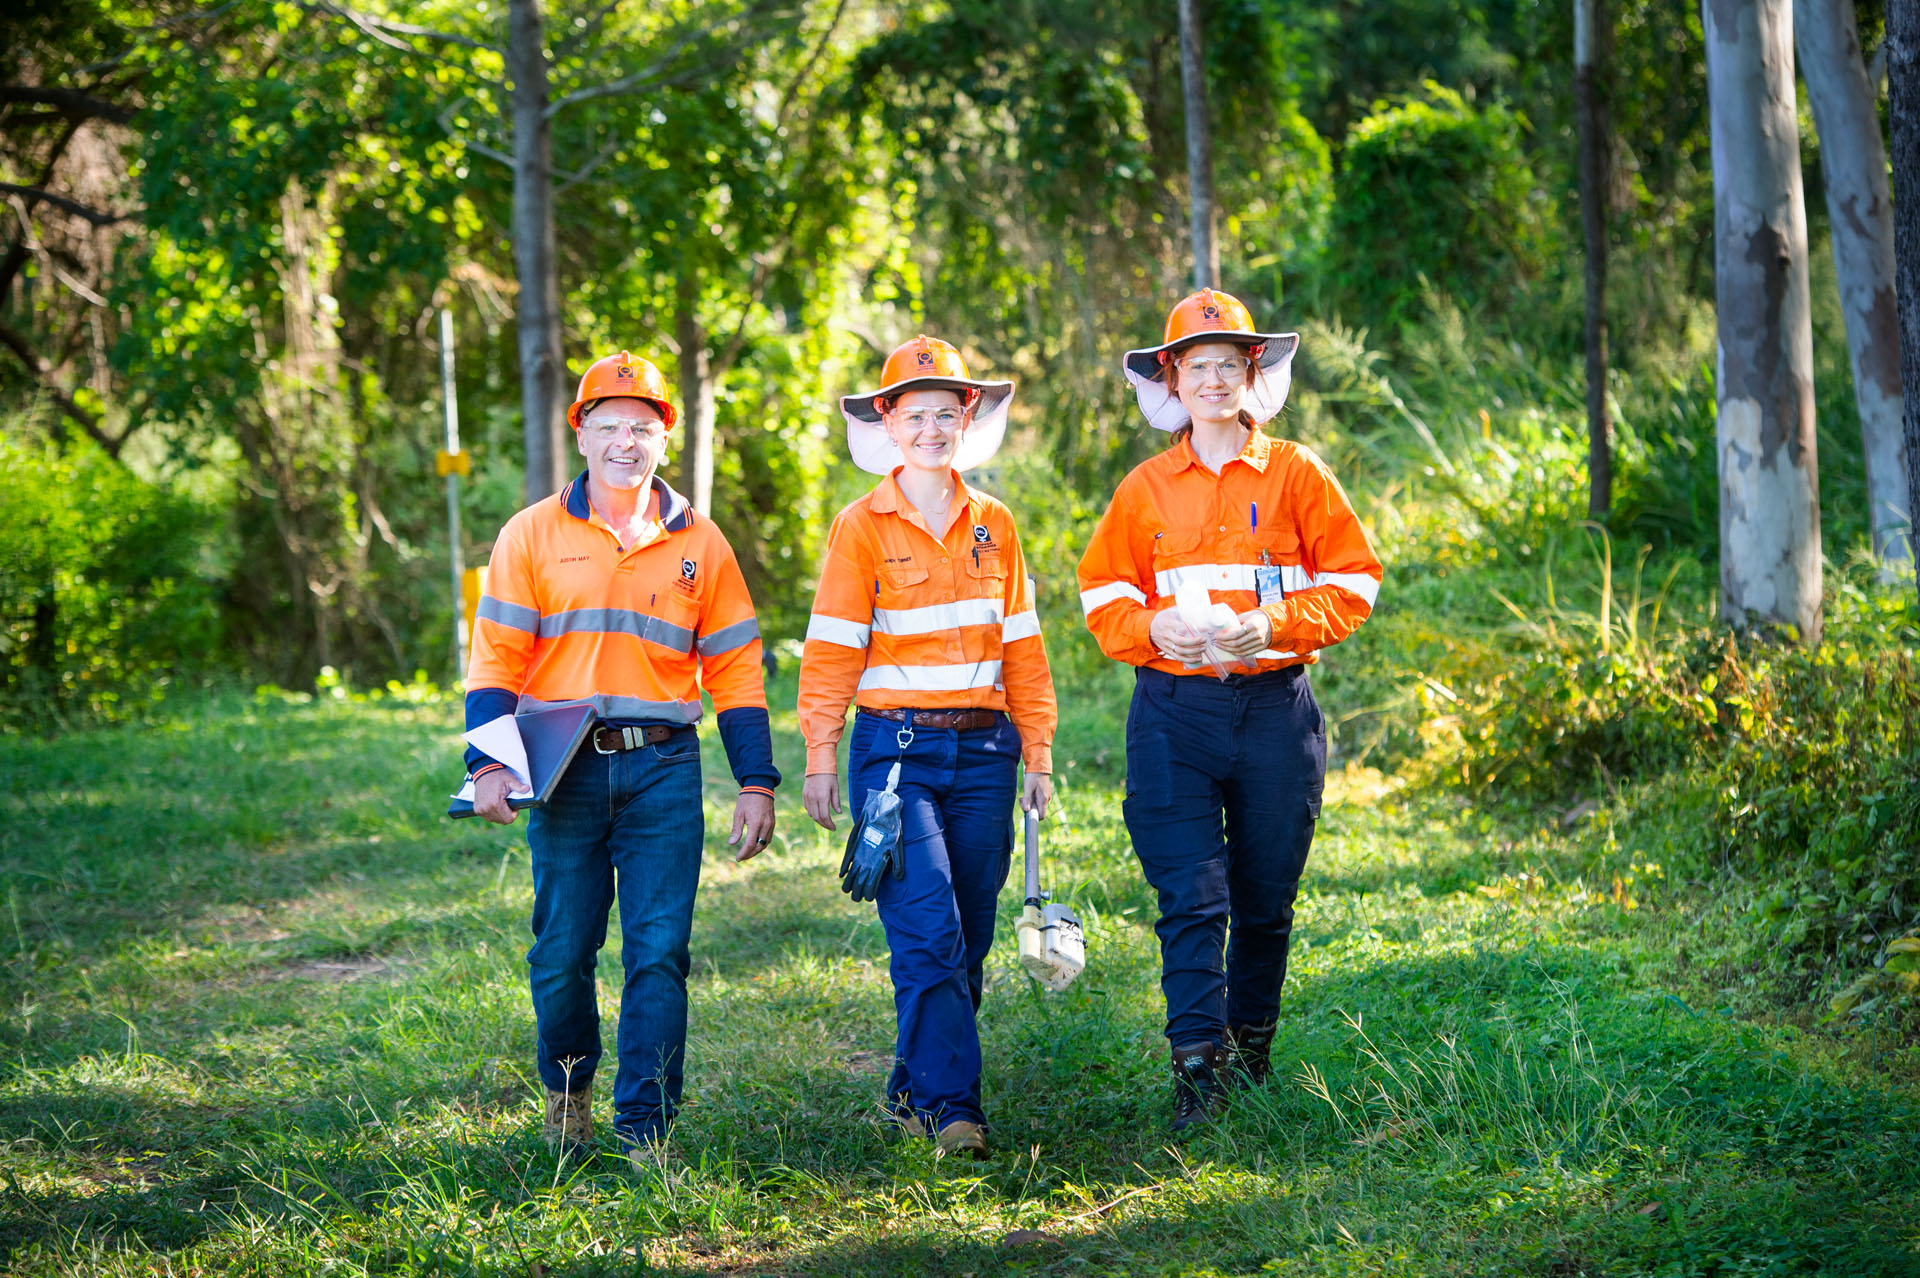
point(623, 441)
point(1211, 380)
point(928, 426)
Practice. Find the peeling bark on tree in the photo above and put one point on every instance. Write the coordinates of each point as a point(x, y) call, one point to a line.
point(1903, 88)
point(1853, 164)
point(543, 371)
point(1769, 497)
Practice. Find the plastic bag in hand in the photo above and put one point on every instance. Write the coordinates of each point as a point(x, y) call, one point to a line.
point(1208, 619)
point(873, 845)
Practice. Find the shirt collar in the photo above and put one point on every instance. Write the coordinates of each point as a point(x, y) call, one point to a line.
point(1258, 450)
point(676, 514)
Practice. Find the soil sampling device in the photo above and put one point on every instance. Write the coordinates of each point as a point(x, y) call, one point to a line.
point(1053, 946)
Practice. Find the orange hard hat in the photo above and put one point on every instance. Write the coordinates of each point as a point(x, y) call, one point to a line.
point(1201, 315)
point(622, 376)
point(930, 361)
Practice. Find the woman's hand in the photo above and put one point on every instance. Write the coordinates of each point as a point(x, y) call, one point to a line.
point(1175, 639)
point(820, 795)
point(1252, 633)
point(1036, 794)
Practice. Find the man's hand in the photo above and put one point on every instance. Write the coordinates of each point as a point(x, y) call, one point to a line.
point(752, 822)
point(1253, 633)
point(1037, 792)
point(1175, 638)
point(820, 795)
point(490, 796)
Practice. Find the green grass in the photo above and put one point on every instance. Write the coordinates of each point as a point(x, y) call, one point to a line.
point(264, 1013)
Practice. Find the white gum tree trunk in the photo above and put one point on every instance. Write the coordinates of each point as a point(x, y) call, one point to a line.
point(1769, 497)
point(1903, 94)
point(1853, 162)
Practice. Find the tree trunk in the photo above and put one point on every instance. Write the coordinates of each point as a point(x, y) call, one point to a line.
point(696, 394)
point(1193, 84)
point(1903, 91)
point(543, 370)
point(1853, 163)
point(1590, 40)
point(1769, 497)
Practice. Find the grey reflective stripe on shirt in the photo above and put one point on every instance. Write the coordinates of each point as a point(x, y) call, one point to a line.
point(618, 621)
point(727, 638)
point(508, 614)
point(610, 707)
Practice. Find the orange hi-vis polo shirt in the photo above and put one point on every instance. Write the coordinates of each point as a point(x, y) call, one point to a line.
point(1172, 520)
point(570, 616)
point(903, 619)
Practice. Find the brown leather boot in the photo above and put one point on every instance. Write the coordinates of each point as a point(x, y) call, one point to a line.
point(1199, 1095)
point(569, 1125)
point(1249, 1052)
point(962, 1137)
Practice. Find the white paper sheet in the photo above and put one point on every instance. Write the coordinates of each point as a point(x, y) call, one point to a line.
point(499, 739)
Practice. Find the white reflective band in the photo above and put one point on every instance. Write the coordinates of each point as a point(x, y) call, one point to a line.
point(1268, 654)
point(982, 674)
point(1021, 625)
point(1212, 576)
point(848, 634)
point(935, 618)
point(1355, 582)
point(1294, 579)
point(1101, 596)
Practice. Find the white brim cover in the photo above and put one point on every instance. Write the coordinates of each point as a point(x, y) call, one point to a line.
point(1272, 377)
point(874, 452)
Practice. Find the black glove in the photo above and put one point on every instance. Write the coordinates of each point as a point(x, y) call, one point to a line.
point(873, 848)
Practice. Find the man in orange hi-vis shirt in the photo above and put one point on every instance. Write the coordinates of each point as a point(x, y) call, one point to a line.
point(616, 594)
point(924, 619)
point(1224, 769)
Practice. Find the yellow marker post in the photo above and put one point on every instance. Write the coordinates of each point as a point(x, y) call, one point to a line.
point(452, 464)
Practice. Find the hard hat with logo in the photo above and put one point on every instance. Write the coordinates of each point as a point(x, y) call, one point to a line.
point(925, 363)
point(1211, 316)
point(621, 376)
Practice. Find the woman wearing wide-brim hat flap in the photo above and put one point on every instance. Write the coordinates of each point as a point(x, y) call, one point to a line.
point(924, 621)
point(1225, 757)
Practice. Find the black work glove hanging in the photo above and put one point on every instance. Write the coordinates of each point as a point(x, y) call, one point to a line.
point(873, 845)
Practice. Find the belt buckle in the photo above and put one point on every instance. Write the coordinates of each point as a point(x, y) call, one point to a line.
point(596, 742)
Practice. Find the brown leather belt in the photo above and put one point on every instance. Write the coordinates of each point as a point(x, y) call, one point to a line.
point(615, 740)
point(946, 720)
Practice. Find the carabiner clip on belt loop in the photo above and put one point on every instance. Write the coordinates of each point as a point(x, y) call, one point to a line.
point(904, 737)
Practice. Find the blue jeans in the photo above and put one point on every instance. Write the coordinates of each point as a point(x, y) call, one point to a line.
point(1223, 791)
point(628, 826)
point(957, 791)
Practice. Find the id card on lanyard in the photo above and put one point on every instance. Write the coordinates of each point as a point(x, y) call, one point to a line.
point(1267, 581)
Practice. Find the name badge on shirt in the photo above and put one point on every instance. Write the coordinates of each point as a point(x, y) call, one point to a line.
point(1266, 580)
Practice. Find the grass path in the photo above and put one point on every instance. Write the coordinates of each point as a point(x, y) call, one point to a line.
point(264, 1014)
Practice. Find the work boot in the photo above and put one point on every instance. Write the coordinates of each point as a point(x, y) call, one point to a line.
point(962, 1137)
point(1248, 1054)
point(1198, 1096)
point(569, 1125)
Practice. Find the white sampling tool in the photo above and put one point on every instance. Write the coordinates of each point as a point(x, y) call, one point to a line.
point(1053, 947)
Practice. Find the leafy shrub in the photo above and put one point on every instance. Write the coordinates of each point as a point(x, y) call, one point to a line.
point(1433, 190)
point(100, 600)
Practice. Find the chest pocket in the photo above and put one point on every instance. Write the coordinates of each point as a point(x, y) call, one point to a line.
point(675, 619)
point(986, 566)
point(1280, 542)
point(898, 582)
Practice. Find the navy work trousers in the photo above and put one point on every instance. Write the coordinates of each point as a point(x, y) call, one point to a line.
point(957, 795)
point(1223, 789)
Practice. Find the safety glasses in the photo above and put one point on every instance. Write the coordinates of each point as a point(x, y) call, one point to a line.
point(1226, 369)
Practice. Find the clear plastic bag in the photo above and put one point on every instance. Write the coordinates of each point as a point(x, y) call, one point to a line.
point(1208, 620)
point(873, 850)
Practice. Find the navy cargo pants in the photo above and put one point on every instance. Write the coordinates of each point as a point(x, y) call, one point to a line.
point(957, 794)
point(1223, 789)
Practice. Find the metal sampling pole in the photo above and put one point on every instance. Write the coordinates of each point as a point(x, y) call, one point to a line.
point(453, 463)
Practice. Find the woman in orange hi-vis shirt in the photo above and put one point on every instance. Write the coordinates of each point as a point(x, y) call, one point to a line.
point(1224, 773)
point(924, 619)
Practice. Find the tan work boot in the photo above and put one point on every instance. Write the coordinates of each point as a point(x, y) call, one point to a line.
point(569, 1125)
point(962, 1137)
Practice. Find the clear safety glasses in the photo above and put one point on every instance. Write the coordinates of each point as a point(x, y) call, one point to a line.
point(610, 429)
point(921, 418)
point(1205, 369)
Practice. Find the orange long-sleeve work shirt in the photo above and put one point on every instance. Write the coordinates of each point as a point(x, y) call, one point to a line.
point(905, 619)
point(1172, 520)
